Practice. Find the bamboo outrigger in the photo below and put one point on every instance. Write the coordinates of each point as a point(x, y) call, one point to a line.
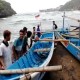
point(42, 50)
point(31, 70)
point(73, 46)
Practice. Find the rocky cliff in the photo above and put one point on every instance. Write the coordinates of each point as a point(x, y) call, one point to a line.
point(5, 9)
point(71, 5)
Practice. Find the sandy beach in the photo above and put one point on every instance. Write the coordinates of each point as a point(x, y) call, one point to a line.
point(71, 66)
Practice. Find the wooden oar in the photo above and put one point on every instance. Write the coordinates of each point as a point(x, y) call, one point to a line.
point(50, 40)
point(42, 50)
point(29, 70)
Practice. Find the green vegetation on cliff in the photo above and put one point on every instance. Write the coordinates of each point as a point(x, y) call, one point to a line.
point(71, 5)
point(5, 9)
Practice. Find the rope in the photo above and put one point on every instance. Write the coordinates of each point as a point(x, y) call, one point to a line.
point(22, 71)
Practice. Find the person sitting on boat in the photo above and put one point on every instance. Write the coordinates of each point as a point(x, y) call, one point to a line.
point(32, 37)
point(5, 51)
point(54, 25)
point(38, 31)
point(17, 46)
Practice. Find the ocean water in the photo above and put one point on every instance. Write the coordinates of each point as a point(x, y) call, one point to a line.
point(18, 21)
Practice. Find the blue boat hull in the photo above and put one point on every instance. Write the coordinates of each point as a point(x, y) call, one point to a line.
point(71, 46)
point(33, 59)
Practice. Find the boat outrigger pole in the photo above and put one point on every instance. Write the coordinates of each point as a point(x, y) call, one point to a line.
point(51, 40)
point(63, 21)
point(79, 35)
point(30, 70)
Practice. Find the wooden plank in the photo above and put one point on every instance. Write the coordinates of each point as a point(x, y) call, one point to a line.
point(42, 50)
point(29, 70)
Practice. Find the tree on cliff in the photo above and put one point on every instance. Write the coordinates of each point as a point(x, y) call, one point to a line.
point(5, 9)
point(71, 5)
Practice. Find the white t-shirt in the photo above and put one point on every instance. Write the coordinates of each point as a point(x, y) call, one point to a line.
point(53, 27)
point(6, 52)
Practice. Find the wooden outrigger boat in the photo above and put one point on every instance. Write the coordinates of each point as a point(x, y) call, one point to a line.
point(73, 45)
point(39, 55)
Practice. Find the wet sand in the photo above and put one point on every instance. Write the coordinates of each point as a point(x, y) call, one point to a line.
point(71, 66)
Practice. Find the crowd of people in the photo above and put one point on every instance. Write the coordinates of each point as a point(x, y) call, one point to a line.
point(8, 54)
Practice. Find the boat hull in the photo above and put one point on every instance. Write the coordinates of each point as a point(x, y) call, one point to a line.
point(39, 75)
point(32, 59)
point(71, 47)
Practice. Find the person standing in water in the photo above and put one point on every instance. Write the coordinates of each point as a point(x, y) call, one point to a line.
point(5, 50)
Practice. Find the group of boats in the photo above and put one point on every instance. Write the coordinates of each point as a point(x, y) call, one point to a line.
point(40, 55)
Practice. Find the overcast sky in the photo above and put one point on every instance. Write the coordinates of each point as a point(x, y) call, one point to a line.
point(27, 6)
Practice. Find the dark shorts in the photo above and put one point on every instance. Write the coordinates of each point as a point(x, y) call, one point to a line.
point(38, 34)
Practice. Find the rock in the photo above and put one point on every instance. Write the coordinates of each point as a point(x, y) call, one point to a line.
point(5, 9)
point(71, 5)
